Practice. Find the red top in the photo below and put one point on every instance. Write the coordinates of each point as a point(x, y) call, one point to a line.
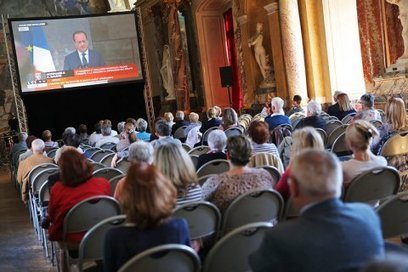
point(63, 198)
point(282, 186)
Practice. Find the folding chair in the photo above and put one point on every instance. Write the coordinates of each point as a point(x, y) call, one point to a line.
point(213, 167)
point(331, 126)
point(394, 215)
point(51, 153)
point(264, 158)
point(107, 159)
point(107, 173)
point(335, 134)
point(199, 150)
point(323, 134)
point(180, 133)
point(98, 155)
point(123, 164)
point(114, 181)
point(97, 165)
point(347, 119)
point(203, 179)
point(340, 147)
point(109, 146)
point(273, 171)
point(186, 147)
point(204, 139)
point(233, 131)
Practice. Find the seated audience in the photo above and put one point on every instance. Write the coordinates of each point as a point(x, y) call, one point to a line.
point(96, 135)
point(83, 134)
point(395, 122)
point(218, 111)
point(303, 138)
point(334, 109)
point(258, 131)
point(296, 105)
point(141, 127)
point(168, 117)
point(329, 235)
point(28, 164)
point(217, 141)
point(313, 118)
point(70, 139)
point(56, 177)
point(367, 113)
point(179, 122)
point(344, 105)
point(29, 150)
point(18, 148)
point(212, 121)
point(193, 130)
point(162, 131)
point(229, 119)
point(224, 188)
point(147, 200)
point(174, 162)
point(121, 128)
point(106, 130)
point(48, 142)
point(126, 137)
point(76, 184)
point(359, 136)
point(278, 116)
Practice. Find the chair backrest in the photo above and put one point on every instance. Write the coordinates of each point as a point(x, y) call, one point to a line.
point(335, 134)
point(194, 159)
point(290, 210)
point(232, 251)
point(114, 181)
point(340, 147)
point(199, 150)
point(396, 145)
point(88, 212)
point(254, 206)
point(331, 126)
point(107, 159)
point(91, 247)
point(394, 215)
point(203, 218)
point(233, 131)
point(97, 165)
point(39, 168)
point(204, 139)
point(373, 185)
point(273, 171)
point(123, 164)
point(376, 123)
point(98, 155)
point(323, 134)
point(44, 194)
point(170, 257)
point(107, 173)
point(41, 178)
point(186, 147)
point(90, 151)
point(51, 152)
point(203, 179)
point(264, 158)
point(279, 133)
point(108, 146)
point(347, 119)
point(180, 133)
point(217, 166)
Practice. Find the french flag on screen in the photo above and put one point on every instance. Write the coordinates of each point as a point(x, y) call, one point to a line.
point(36, 44)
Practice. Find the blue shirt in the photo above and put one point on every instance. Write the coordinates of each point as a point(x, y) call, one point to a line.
point(144, 136)
point(276, 120)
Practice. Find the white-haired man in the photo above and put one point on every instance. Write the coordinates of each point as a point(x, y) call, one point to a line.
point(329, 235)
point(179, 122)
point(313, 119)
point(278, 116)
point(26, 165)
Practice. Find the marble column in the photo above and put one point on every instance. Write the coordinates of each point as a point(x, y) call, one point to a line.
point(293, 48)
point(277, 53)
point(314, 42)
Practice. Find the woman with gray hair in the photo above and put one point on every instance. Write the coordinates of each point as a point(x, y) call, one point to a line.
point(217, 141)
point(313, 118)
point(141, 127)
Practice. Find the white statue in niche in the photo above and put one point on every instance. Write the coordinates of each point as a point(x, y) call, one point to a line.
point(261, 58)
point(117, 5)
point(166, 72)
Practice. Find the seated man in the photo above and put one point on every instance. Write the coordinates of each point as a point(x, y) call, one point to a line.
point(367, 112)
point(26, 165)
point(18, 148)
point(296, 107)
point(313, 118)
point(106, 129)
point(179, 122)
point(329, 235)
point(162, 131)
point(278, 116)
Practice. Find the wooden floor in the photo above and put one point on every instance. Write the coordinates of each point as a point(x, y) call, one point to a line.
point(19, 248)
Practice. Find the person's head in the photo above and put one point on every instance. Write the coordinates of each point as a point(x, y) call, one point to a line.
point(168, 116)
point(316, 175)
point(194, 117)
point(313, 108)
point(80, 40)
point(179, 116)
point(344, 102)
point(46, 135)
point(141, 151)
point(30, 140)
point(97, 127)
point(162, 128)
point(395, 113)
point(336, 93)
point(121, 126)
point(297, 100)
point(141, 125)
point(22, 137)
point(106, 127)
point(277, 104)
point(129, 127)
point(304, 138)
point(217, 110)
point(131, 120)
point(229, 117)
point(62, 150)
point(83, 129)
point(239, 150)
point(74, 168)
point(148, 197)
point(211, 113)
point(182, 173)
point(38, 146)
point(70, 130)
point(71, 139)
point(258, 131)
point(217, 140)
point(359, 135)
point(367, 101)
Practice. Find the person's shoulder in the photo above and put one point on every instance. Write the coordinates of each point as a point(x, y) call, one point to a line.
point(177, 223)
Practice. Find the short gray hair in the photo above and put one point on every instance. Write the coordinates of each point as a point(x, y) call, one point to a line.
point(314, 108)
point(318, 173)
point(141, 151)
point(217, 140)
point(278, 103)
point(37, 146)
point(141, 125)
point(70, 130)
point(180, 115)
point(121, 126)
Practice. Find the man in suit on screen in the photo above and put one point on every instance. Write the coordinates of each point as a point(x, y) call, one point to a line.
point(83, 57)
point(329, 235)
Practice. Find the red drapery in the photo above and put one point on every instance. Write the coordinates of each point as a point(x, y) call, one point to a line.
point(236, 91)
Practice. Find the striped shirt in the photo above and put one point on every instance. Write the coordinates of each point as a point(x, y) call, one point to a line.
point(194, 194)
point(265, 147)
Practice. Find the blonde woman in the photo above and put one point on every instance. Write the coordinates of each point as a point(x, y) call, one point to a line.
point(306, 137)
point(169, 117)
point(359, 136)
point(174, 162)
point(395, 114)
point(345, 107)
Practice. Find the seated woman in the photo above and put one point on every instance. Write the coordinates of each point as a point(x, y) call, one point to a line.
point(217, 141)
point(358, 138)
point(229, 119)
point(174, 162)
point(76, 184)
point(345, 107)
point(303, 138)
point(258, 131)
point(396, 121)
point(148, 200)
point(47, 138)
point(224, 188)
point(141, 127)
